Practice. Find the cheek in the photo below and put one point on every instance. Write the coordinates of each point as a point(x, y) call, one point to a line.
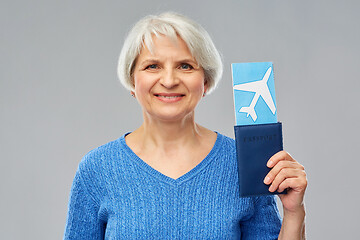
point(140, 82)
point(143, 85)
point(197, 84)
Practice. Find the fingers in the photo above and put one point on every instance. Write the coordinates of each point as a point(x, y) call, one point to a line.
point(285, 173)
point(279, 156)
point(297, 184)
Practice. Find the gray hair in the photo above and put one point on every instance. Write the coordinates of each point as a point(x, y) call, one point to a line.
point(171, 25)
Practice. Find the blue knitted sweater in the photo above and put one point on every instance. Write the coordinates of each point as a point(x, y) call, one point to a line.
point(116, 195)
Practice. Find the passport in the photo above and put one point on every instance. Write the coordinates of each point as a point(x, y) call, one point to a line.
point(255, 144)
point(258, 134)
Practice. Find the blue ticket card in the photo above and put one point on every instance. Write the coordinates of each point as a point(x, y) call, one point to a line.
point(254, 93)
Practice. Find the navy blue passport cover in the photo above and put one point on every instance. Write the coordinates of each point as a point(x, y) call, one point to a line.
point(255, 144)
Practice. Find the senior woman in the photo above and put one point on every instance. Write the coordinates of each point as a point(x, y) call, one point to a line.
point(172, 178)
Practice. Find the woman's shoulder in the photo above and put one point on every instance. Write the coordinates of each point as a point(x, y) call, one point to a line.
point(95, 167)
point(101, 155)
point(226, 141)
point(102, 150)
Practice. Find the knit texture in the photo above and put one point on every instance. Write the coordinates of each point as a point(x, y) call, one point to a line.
point(116, 195)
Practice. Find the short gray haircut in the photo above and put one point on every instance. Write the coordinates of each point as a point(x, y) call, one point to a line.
point(171, 25)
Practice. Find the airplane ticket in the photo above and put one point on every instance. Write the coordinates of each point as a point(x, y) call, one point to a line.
point(254, 93)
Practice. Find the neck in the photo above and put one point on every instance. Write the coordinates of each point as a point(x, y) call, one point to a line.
point(168, 135)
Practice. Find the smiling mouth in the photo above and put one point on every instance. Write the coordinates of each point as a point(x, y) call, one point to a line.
point(169, 96)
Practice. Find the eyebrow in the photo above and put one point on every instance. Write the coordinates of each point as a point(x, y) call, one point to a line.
point(189, 60)
point(192, 61)
point(150, 60)
point(155, 60)
point(181, 60)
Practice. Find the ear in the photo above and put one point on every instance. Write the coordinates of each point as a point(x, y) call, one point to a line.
point(132, 94)
point(132, 81)
point(132, 73)
point(206, 85)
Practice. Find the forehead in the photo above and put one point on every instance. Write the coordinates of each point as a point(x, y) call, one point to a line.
point(166, 47)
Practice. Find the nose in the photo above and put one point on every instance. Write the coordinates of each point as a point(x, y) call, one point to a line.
point(169, 79)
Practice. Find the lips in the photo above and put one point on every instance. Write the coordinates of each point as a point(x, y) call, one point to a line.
point(169, 97)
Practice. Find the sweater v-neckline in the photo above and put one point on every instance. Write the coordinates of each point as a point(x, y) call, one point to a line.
point(164, 178)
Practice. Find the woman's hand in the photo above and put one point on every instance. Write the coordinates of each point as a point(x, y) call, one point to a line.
point(286, 173)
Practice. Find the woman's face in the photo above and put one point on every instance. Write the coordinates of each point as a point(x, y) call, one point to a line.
point(168, 83)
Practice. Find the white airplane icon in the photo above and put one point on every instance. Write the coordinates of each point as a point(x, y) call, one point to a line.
point(261, 89)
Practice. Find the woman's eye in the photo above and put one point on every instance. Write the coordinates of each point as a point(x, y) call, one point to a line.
point(186, 66)
point(152, 66)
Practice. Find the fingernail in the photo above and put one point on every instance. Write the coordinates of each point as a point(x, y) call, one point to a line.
point(266, 180)
point(269, 164)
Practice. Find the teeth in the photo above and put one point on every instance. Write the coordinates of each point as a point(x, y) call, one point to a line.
point(169, 96)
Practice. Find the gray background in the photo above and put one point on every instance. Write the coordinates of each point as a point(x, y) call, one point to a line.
point(60, 97)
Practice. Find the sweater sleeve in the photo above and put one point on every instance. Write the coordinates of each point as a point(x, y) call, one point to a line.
point(265, 223)
point(82, 220)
